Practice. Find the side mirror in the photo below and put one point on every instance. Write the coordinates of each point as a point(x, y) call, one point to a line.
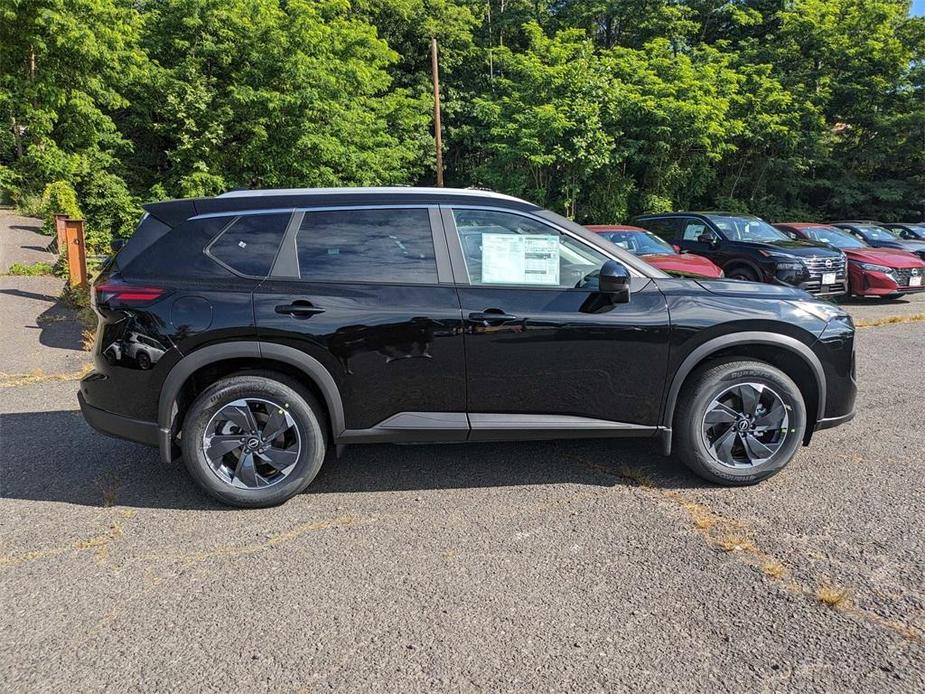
point(116, 245)
point(709, 239)
point(614, 279)
point(677, 248)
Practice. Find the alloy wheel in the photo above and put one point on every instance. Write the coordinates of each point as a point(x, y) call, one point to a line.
point(745, 425)
point(252, 443)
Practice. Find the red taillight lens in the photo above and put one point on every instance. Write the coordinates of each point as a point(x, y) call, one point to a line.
point(126, 293)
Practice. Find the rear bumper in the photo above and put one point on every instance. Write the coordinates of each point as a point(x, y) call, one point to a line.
point(117, 425)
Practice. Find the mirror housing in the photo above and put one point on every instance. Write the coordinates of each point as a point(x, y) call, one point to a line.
point(677, 248)
point(116, 245)
point(709, 238)
point(614, 280)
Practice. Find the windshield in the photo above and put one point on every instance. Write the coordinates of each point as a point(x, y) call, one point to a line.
point(876, 233)
point(833, 237)
point(638, 242)
point(747, 229)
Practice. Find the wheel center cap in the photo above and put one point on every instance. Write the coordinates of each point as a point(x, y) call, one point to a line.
point(743, 425)
point(253, 442)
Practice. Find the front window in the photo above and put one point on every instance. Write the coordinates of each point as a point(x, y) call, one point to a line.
point(502, 248)
point(639, 242)
point(915, 231)
point(747, 228)
point(876, 233)
point(833, 237)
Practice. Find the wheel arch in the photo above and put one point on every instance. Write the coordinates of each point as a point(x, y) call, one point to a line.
point(245, 354)
point(742, 261)
point(787, 353)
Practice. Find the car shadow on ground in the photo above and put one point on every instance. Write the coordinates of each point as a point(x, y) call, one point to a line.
point(58, 324)
point(62, 460)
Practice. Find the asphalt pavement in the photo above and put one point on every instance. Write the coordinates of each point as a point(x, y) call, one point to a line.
point(570, 565)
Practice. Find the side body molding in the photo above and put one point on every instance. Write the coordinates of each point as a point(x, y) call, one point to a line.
point(690, 362)
point(194, 361)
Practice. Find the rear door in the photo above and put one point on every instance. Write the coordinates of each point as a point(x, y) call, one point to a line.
point(541, 341)
point(368, 292)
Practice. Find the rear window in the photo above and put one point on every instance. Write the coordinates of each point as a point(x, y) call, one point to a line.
point(392, 245)
point(250, 244)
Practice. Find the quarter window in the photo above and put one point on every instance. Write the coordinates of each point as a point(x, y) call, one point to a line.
point(501, 248)
point(250, 244)
point(386, 245)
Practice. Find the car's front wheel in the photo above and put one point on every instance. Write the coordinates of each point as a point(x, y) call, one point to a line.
point(254, 440)
point(739, 422)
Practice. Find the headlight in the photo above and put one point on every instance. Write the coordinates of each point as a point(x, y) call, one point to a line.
point(876, 268)
point(820, 309)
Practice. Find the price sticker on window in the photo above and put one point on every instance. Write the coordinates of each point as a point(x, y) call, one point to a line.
point(520, 259)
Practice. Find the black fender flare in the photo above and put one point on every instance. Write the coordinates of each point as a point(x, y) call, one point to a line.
point(692, 360)
point(251, 349)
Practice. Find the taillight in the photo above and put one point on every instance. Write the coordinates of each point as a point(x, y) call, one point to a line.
point(109, 292)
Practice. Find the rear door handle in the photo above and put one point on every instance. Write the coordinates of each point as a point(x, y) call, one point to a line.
point(491, 315)
point(299, 309)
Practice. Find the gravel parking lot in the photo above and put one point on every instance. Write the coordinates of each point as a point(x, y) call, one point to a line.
point(591, 565)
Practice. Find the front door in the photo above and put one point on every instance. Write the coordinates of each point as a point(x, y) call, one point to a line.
point(540, 339)
point(368, 293)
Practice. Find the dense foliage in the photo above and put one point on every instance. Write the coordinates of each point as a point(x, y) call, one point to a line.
point(597, 108)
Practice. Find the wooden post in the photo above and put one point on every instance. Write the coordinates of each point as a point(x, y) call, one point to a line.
point(438, 139)
point(59, 230)
point(76, 252)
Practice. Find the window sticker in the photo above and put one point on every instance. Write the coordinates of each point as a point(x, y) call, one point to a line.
point(520, 259)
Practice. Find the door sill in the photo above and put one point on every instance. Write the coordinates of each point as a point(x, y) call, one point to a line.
point(434, 427)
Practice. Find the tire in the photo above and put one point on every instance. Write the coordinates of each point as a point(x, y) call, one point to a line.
point(143, 361)
point(300, 445)
point(726, 382)
point(742, 273)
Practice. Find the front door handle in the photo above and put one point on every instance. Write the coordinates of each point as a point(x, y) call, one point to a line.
point(491, 316)
point(299, 309)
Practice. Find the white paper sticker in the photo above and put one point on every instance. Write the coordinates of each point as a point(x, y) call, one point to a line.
point(520, 259)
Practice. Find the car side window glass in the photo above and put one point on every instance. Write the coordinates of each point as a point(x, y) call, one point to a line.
point(663, 228)
point(250, 244)
point(367, 245)
point(507, 249)
point(694, 229)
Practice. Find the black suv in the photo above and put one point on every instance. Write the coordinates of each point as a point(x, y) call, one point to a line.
point(293, 322)
point(748, 248)
point(882, 236)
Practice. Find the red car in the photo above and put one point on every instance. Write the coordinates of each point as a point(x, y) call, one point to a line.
point(656, 251)
point(871, 271)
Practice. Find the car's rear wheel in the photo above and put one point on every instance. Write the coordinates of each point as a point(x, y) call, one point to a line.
point(742, 273)
point(254, 440)
point(739, 422)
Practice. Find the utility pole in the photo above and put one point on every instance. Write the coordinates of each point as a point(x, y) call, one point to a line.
point(438, 139)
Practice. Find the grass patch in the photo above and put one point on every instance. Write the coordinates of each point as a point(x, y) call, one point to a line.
point(832, 595)
point(890, 320)
point(78, 298)
point(37, 269)
point(773, 569)
point(39, 376)
point(736, 542)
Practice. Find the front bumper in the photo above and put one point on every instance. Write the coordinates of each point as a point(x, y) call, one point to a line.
point(117, 425)
point(881, 284)
point(831, 422)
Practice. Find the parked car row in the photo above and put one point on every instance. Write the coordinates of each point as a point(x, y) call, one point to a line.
point(860, 258)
